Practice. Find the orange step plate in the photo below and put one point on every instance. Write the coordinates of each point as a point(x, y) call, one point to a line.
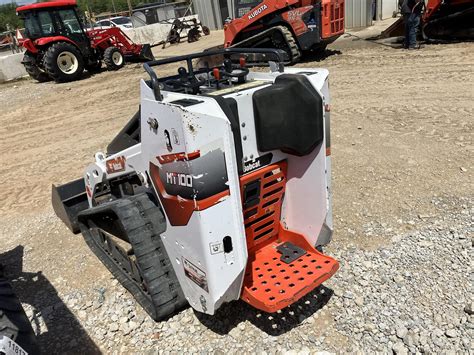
point(271, 284)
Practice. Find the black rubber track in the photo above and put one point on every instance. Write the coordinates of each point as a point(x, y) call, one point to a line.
point(13, 321)
point(109, 62)
point(143, 222)
point(51, 65)
point(33, 70)
point(290, 46)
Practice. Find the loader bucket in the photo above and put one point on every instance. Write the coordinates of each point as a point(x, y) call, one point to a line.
point(68, 200)
point(146, 54)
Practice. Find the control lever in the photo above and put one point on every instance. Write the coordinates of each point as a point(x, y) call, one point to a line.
point(183, 74)
point(231, 71)
point(186, 81)
point(228, 66)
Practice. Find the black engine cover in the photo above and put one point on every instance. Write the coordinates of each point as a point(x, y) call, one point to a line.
point(289, 116)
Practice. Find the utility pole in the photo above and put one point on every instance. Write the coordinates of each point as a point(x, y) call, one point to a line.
point(129, 3)
point(113, 5)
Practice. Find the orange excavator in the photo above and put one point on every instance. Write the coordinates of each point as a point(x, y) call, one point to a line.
point(294, 26)
point(448, 20)
point(443, 20)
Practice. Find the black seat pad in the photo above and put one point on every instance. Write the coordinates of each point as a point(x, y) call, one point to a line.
point(289, 116)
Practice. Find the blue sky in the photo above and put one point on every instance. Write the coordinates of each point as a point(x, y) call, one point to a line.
point(19, 2)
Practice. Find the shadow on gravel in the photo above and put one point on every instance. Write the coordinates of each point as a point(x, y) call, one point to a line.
point(318, 56)
point(230, 315)
point(61, 332)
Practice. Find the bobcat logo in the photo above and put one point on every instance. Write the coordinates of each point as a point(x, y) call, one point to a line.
point(115, 165)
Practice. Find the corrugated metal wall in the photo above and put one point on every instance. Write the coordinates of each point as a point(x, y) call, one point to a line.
point(358, 13)
point(209, 13)
point(212, 13)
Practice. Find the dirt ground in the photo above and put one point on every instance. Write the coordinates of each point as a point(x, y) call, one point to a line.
point(402, 130)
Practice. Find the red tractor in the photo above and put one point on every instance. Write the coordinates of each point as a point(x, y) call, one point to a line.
point(59, 48)
point(294, 26)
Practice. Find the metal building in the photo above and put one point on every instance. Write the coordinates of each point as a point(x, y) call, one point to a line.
point(212, 13)
point(386, 9)
point(358, 13)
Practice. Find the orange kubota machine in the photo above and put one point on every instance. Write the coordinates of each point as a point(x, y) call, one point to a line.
point(294, 26)
point(448, 20)
point(443, 20)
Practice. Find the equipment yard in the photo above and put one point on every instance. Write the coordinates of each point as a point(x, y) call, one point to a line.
point(402, 148)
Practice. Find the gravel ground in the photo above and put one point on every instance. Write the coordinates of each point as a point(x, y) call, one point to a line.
point(403, 211)
point(413, 295)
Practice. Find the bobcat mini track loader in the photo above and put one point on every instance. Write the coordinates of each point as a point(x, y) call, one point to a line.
point(218, 189)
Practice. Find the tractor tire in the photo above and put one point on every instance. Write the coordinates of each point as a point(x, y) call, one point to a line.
point(113, 58)
point(174, 37)
point(33, 70)
point(63, 62)
point(14, 323)
point(94, 67)
point(144, 267)
point(193, 35)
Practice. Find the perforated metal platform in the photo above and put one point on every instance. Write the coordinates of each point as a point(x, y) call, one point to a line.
point(270, 284)
point(274, 278)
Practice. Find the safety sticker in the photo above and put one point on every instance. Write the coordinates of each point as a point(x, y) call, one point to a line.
point(216, 247)
point(195, 274)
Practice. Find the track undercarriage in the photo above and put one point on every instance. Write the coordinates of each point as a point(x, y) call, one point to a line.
point(451, 26)
point(196, 203)
point(278, 37)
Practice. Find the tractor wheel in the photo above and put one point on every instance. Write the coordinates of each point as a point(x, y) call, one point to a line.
point(94, 67)
point(193, 35)
point(63, 62)
point(14, 323)
point(174, 37)
point(206, 30)
point(113, 58)
point(33, 70)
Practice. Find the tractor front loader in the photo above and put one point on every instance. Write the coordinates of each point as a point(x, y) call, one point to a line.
point(59, 48)
point(217, 189)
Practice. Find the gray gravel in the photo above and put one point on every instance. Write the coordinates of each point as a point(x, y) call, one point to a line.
point(412, 295)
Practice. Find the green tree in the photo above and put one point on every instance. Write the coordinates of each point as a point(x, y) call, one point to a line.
point(8, 17)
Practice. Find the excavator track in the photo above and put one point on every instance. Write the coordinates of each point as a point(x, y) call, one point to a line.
point(125, 236)
point(287, 43)
point(291, 44)
point(455, 26)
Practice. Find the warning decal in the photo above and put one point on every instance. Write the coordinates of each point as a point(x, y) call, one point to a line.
point(195, 274)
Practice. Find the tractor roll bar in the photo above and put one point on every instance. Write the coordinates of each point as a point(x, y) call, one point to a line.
point(277, 53)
